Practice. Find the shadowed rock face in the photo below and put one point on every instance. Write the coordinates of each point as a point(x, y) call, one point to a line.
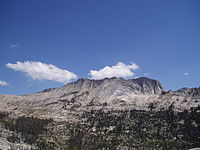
point(193, 92)
point(149, 85)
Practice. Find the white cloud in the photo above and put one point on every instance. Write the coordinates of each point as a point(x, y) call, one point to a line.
point(119, 70)
point(3, 83)
point(13, 45)
point(186, 73)
point(42, 71)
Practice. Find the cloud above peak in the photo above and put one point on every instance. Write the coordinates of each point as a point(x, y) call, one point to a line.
point(3, 83)
point(119, 70)
point(42, 71)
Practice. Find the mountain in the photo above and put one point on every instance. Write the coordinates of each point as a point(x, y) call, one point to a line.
point(86, 94)
point(83, 94)
point(104, 108)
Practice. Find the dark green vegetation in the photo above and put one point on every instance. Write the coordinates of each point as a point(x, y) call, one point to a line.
point(111, 130)
point(136, 129)
point(29, 128)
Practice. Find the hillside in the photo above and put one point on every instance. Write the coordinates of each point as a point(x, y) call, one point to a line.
point(112, 113)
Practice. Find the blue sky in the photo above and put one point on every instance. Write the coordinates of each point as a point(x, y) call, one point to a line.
point(160, 37)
